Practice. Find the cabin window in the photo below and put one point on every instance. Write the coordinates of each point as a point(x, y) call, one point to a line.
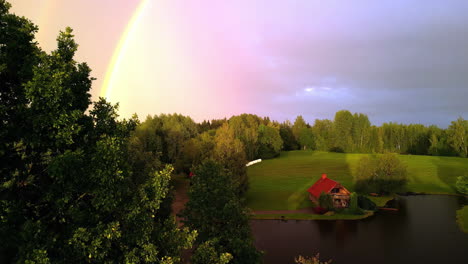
point(335, 190)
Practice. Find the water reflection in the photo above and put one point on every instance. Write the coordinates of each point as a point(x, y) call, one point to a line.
point(424, 230)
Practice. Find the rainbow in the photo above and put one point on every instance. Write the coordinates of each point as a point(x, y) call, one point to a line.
point(115, 63)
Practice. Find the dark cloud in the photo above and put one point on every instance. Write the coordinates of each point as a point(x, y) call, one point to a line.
point(403, 61)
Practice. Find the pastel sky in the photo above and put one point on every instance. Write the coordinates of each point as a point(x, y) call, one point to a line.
point(395, 60)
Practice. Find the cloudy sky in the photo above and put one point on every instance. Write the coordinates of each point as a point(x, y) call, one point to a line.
point(398, 60)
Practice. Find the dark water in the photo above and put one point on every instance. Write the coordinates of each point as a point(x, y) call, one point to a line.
point(424, 230)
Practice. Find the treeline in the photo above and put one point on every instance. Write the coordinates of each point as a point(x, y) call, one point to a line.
point(349, 132)
point(178, 140)
point(181, 141)
point(77, 185)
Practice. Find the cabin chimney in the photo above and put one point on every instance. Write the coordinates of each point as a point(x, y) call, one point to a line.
point(324, 176)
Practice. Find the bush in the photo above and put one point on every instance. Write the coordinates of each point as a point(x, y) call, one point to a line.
point(325, 201)
point(310, 260)
point(462, 184)
point(354, 205)
point(206, 253)
point(337, 149)
point(366, 203)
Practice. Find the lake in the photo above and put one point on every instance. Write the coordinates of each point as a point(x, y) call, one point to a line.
point(424, 230)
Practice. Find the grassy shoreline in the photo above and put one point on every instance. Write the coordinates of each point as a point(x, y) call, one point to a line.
point(462, 214)
point(379, 201)
point(281, 184)
point(462, 218)
point(311, 216)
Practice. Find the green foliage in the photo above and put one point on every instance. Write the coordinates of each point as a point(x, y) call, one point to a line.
point(310, 260)
point(165, 136)
point(325, 201)
point(462, 184)
point(361, 132)
point(245, 129)
point(306, 138)
point(230, 152)
point(387, 174)
point(354, 205)
point(286, 133)
point(323, 131)
point(297, 127)
point(342, 130)
point(458, 136)
point(270, 142)
point(215, 211)
point(366, 203)
point(281, 183)
point(71, 188)
point(462, 218)
point(206, 253)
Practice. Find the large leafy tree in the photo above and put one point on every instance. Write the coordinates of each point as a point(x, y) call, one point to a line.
point(270, 141)
point(342, 131)
point(70, 192)
point(298, 126)
point(385, 174)
point(361, 131)
point(306, 138)
point(323, 131)
point(245, 128)
point(18, 55)
point(216, 212)
point(230, 152)
point(166, 135)
point(462, 184)
point(458, 136)
point(286, 133)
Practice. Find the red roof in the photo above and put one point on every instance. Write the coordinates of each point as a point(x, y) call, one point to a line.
point(324, 184)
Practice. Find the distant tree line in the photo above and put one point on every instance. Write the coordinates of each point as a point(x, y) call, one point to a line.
point(349, 132)
point(78, 185)
point(179, 140)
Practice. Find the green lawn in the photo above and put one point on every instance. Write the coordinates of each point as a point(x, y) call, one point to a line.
point(462, 218)
point(281, 183)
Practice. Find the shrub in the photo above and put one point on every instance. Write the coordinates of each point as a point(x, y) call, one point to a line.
point(337, 150)
point(366, 203)
point(354, 205)
point(462, 184)
point(325, 201)
point(310, 260)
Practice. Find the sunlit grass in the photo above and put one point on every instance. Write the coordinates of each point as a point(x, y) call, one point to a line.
point(462, 218)
point(281, 183)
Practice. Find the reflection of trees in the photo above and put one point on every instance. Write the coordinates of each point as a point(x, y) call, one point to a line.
point(339, 230)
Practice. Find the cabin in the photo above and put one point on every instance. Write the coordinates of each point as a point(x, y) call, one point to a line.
point(340, 195)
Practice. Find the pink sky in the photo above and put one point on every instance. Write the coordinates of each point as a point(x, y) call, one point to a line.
point(212, 59)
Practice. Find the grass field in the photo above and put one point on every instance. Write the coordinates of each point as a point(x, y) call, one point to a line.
point(281, 183)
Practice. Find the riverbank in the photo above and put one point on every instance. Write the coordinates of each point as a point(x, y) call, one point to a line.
point(425, 224)
point(281, 183)
point(308, 214)
point(462, 218)
point(304, 216)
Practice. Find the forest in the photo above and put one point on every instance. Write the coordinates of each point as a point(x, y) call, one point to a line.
point(78, 184)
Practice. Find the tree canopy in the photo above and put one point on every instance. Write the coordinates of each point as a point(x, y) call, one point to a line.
point(69, 189)
point(215, 211)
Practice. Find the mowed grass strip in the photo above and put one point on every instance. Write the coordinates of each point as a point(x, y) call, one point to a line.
point(281, 183)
